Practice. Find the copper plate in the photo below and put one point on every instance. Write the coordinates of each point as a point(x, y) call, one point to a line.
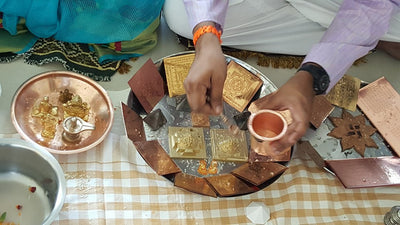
point(258, 173)
point(194, 184)
point(148, 85)
point(229, 185)
point(133, 124)
point(321, 108)
point(367, 172)
point(50, 84)
point(381, 104)
point(153, 153)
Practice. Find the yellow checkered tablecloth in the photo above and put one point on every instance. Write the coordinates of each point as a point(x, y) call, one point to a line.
point(112, 184)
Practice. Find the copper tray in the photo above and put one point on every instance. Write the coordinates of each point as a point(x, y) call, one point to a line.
point(50, 84)
point(183, 119)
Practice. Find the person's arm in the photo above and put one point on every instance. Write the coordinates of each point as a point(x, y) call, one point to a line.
point(355, 30)
point(205, 81)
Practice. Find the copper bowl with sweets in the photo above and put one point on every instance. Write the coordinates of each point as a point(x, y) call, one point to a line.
point(32, 184)
point(45, 103)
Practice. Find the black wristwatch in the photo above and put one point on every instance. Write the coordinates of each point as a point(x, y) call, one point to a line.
point(320, 77)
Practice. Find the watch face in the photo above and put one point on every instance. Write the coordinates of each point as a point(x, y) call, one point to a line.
point(324, 82)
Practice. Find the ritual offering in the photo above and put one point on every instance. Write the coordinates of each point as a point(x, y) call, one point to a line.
point(240, 86)
point(157, 158)
point(259, 172)
point(200, 120)
point(229, 185)
point(205, 148)
point(133, 124)
point(176, 70)
point(227, 146)
point(353, 132)
point(45, 104)
point(381, 104)
point(148, 85)
point(155, 119)
point(186, 142)
point(194, 184)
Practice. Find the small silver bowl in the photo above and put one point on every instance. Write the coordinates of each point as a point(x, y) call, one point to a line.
point(32, 183)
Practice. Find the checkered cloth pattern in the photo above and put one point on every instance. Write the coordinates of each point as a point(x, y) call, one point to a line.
point(112, 184)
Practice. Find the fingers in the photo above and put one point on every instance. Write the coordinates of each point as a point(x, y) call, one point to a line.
point(216, 91)
point(196, 94)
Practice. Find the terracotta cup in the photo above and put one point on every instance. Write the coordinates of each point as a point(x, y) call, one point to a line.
point(266, 126)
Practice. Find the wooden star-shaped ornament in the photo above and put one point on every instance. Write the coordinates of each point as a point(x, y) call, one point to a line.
point(353, 132)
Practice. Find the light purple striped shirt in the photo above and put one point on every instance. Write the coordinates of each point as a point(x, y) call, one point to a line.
point(353, 33)
point(206, 10)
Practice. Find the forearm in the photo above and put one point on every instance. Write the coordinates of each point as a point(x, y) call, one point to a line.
point(206, 10)
point(355, 30)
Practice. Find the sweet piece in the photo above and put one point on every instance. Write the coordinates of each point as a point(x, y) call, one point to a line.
point(240, 86)
point(133, 124)
point(202, 170)
point(321, 108)
point(65, 96)
point(226, 146)
point(353, 132)
point(187, 142)
point(155, 119)
point(228, 185)
point(156, 157)
point(194, 184)
point(148, 86)
point(200, 120)
point(48, 115)
point(241, 119)
point(213, 168)
point(259, 172)
point(176, 70)
point(76, 107)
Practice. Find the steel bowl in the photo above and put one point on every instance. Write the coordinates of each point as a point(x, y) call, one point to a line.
point(49, 85)
point(32, 183)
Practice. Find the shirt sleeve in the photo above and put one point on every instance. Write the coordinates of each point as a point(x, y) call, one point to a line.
point(206, 10)
point(355, 30)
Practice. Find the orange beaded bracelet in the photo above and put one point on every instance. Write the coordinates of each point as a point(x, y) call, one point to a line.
point(206, 29)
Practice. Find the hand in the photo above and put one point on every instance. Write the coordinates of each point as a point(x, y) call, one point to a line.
point(205, 81)
point(296, 95)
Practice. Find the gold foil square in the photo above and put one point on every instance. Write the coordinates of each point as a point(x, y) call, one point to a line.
point(176, 70)
point(187, 142)
point(200, 120)
point(227, 146)
point(240, 86)
point(345, 93)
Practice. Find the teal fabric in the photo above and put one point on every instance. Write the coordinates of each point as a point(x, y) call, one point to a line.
point(82, 21)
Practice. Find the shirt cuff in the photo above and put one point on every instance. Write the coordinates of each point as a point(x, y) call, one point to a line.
point(336, 58)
